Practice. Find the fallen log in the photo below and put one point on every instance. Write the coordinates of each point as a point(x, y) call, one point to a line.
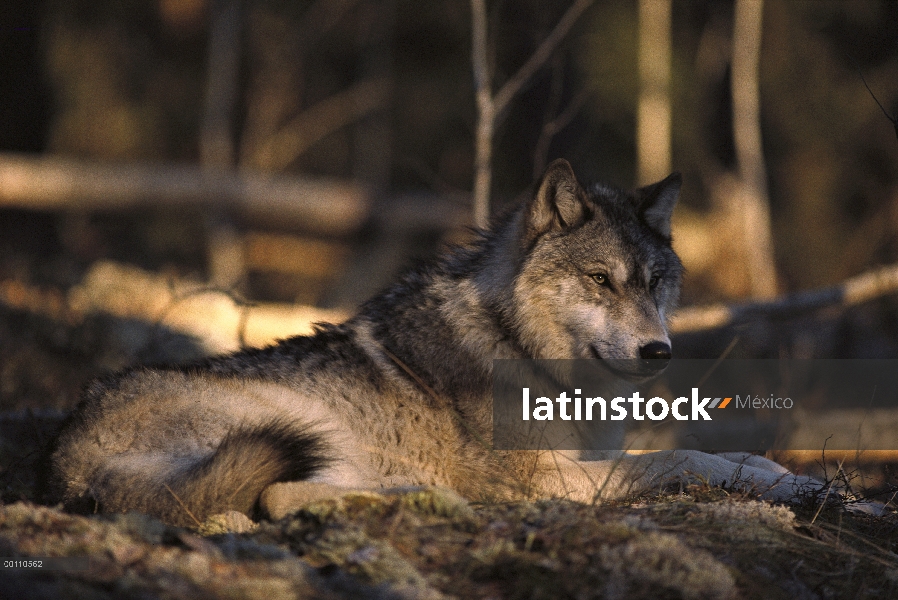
point(327, 206)
point(856, 290)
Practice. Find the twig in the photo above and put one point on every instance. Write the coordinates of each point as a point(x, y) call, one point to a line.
point(184, 506)
point(550, 114)
point(892, 119)
point(829, 489)
point(278, 61)
point(553, 125)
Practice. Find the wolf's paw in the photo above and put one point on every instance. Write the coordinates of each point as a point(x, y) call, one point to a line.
point(790, 488)
point(772, 480)
point(753, 460)
point(873, 508)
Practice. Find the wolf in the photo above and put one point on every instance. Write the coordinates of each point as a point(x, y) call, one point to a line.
point(400, 394)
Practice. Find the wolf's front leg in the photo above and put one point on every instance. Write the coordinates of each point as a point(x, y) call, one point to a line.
point(588, 481)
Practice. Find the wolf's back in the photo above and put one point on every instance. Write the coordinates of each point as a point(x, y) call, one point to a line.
point(183, 463)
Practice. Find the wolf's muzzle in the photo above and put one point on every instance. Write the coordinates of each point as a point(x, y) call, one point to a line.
point(653, 359)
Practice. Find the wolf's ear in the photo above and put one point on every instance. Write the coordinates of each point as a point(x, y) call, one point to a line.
point(655, 202)
point(559, 201)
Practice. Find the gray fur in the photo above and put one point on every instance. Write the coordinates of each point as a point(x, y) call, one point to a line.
point(401, 394)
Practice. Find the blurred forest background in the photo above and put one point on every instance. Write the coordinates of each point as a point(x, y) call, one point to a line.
point(297, 155)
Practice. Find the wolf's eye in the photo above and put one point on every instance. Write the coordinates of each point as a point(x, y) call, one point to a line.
point(600, 278)
point(655, 279)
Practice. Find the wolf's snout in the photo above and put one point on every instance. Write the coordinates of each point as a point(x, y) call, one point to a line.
point(656, 351)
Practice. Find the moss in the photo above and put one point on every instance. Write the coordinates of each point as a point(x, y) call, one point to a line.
point(229, 522)
point(659, 561)
point(439, 502)
point(427, 542)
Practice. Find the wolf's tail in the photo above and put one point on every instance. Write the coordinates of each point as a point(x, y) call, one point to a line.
point(185, 489)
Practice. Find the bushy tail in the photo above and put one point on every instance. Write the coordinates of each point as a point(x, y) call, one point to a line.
point(184, 490)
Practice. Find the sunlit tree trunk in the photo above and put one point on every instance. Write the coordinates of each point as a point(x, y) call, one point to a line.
point(752, 202)
point(653, 116)
point(486, 114)
point(222, 74)
point(217, 147)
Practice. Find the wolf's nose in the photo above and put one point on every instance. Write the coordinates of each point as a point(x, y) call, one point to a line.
point(656, 351)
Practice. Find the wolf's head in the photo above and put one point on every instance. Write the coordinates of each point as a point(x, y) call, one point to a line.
point(598, 275)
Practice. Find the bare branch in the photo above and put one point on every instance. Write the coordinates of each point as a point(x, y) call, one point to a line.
point(568, 114)
point(315, 123)
point(556, 87)
point(551, 129)
point(279, 50)
point(853, 291)
point(542, 54)
point(490, 107)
